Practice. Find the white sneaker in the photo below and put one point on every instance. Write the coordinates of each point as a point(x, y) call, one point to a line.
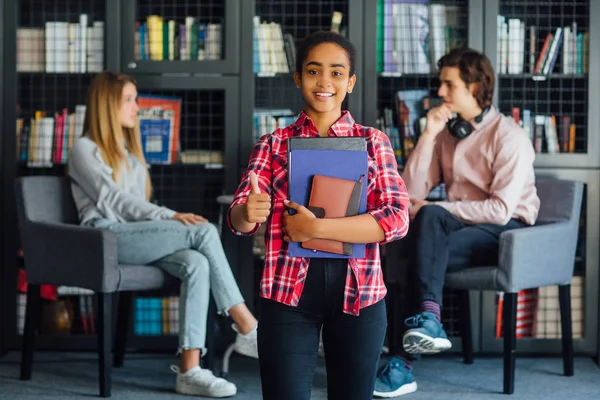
point(247, 344)
point(202, 382)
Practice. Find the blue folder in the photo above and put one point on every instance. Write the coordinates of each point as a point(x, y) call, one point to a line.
point(345, 164)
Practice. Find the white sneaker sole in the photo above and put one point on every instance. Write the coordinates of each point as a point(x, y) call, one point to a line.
point(418, 343)
point(402, 390)
point(194, 390)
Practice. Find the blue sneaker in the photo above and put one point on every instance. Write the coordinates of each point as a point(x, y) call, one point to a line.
point(394, 378)
point(426, 335)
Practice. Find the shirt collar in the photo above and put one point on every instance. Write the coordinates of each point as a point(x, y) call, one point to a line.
point(487, 118)
point(306, 127)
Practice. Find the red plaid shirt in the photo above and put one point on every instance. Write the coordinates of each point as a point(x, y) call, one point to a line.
point(283, 276)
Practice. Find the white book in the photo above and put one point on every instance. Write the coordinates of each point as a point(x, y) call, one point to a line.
point(96, 47)
point(189, 22)
point(566, 51)
point(514, 28)
point(419, 20)
point(71, 47)
point(437, 32)
point(50, 36)
point(79, 118)
point(82, 55)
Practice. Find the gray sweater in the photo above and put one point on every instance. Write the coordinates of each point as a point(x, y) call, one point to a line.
point(97, 195)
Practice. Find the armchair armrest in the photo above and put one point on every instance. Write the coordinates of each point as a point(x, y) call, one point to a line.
point(62, 254)
point(537, 256)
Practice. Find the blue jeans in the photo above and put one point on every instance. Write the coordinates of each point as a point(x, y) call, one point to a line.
point(288, 338)
point(193, 254)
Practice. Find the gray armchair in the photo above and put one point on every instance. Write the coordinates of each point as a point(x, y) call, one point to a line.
point(60, 252)
point(531, 257)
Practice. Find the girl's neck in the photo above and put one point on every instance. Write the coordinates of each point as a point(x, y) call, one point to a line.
point(323, 121)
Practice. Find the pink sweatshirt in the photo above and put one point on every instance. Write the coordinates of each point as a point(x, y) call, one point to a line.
point(489, 175)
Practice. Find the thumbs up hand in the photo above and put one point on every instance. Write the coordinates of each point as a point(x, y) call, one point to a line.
point(258, 205)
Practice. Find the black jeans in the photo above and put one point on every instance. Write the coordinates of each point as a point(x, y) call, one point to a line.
point(437, 242)
point(288, 339)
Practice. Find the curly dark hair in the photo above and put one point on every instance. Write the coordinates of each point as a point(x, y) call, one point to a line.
point(320, 37)
point(475, 68)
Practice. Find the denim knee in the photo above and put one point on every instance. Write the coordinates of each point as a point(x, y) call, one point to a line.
point(429, 214)
point(193, 265)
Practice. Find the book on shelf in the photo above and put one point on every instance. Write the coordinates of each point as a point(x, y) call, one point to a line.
point(43, 141)
point(156, 316)
point(159, 118)
point(159, 39)
point(548, 133)
point(274, 52)
point(568, 42)
point(413, 35)
point(267, 120)
point(61, 47)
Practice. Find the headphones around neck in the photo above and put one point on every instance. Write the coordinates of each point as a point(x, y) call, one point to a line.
point(459, 128)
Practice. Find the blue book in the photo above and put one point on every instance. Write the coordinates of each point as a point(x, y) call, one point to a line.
point(344, 164)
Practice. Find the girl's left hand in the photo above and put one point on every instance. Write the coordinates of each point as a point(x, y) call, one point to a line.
point(189, 218)
point(299, 227)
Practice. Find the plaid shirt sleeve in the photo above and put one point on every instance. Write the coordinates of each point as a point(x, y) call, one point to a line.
point(260, 163)
point(391, 197)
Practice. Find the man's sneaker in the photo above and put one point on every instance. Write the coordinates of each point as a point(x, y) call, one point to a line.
point(202, 382)
point(426, 335)
point(394, 378)
point(247, 344)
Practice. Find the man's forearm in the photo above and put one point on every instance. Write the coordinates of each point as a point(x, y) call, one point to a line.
point(238, 221)
point(358, 229)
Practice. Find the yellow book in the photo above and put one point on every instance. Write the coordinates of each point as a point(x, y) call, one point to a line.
point(155, 36)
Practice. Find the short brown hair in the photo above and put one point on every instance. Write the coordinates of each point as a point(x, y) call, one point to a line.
point(475, 68)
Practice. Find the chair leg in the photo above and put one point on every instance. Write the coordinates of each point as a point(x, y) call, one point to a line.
point(31, 320)
point(564, 298)
point(466, 334)
point(509, 330)
point(122, 329)
point(104, 341)
point(208, 360)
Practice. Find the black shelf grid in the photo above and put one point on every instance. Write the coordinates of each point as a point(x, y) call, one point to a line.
point(298, 18)
point(561, 90)
point(194, 185)
point(424, 83)
point(49, 83)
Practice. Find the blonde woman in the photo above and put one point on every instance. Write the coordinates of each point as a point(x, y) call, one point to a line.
point(111, 188)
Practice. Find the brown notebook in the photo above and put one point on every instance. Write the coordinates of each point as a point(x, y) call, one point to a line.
point(333, 198)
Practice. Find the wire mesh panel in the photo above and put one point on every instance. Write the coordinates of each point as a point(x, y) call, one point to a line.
point(411, 38)
point(189, 176)
point(60, 45)
point(542, 63)
point(59, 48)
point(179, 30)
point(278, 28)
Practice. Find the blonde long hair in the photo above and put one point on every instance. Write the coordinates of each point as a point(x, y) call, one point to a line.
point(102, 125)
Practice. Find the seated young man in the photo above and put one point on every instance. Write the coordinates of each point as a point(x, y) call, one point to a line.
point(486, 162)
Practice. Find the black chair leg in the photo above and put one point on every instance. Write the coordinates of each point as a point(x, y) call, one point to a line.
point(31, 319)
point(104, 341)
point(122, 329)
point(509, 330)
point(208, 361)
point(564, 298)
point(466, 334)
